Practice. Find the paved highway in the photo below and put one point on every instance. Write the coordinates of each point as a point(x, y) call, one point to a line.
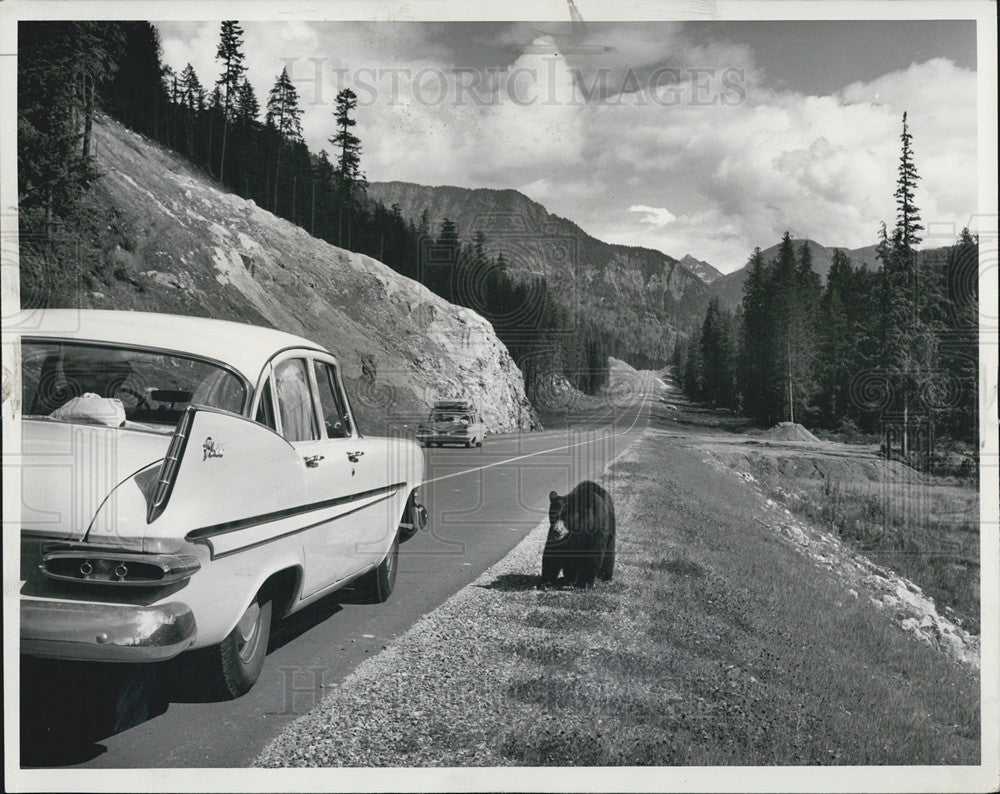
point(482, 502)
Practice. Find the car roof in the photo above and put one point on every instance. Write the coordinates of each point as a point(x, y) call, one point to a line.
point(453, 405)
point(244, 347)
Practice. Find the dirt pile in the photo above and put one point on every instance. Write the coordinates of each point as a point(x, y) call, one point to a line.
point(188, 247)
point(790, 431)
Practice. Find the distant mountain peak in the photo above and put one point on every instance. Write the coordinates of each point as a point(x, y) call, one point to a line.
point(702, 269)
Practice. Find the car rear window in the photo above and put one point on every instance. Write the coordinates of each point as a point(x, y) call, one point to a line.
point(153, 386)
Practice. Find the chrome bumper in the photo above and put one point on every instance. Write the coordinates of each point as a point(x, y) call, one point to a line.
point(446, 438)
point(105, 632)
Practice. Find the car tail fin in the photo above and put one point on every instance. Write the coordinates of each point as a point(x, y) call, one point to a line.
point(167, 475)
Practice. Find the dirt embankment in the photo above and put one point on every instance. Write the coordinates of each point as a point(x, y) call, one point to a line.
point(158, 235)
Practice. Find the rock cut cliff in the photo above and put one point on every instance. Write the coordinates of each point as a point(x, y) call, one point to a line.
point(172, 240)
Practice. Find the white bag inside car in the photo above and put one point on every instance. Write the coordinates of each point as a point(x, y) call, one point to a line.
point(93, 409)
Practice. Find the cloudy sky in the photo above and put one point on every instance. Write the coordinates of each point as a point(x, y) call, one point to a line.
point(706, 138)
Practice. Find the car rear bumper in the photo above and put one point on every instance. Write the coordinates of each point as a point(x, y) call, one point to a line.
point(443, 438)
point(105, 632)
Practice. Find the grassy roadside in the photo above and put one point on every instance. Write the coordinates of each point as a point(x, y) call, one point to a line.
point(717, 643)
point(927, 531)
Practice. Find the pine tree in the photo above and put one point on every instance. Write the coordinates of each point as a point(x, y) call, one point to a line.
point(446, 252)
point(837, 354)
point(192, 93)
point(246, 114)
point(60, 67)
point(477, 278)
point(907, 214)
point(787, 321)
point(229, 52)
point(284, 119)
point(911, 341)
point(691, 378)
point(960, 337)
point(192, 100)
point(717, 356)
point(802, 337)
point(755, 339)
point(349, 176)
point(247, 106)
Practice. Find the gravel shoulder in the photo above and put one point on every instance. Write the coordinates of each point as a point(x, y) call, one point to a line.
point(718, 642)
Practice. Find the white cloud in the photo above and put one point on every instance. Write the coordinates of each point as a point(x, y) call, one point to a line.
point(656, 216)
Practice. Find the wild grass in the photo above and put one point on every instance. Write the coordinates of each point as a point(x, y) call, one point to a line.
point(926, 529)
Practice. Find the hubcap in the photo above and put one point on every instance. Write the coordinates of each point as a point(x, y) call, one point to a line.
point(248, 632)
point(390, 562)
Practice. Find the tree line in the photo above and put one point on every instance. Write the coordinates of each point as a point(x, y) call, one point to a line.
point(68, 71)
point(899, 343)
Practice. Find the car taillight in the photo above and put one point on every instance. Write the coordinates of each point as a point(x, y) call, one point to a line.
point(102, 566)
point(171, 465)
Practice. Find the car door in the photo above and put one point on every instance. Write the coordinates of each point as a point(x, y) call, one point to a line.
point(293, 411)
point(353, 471)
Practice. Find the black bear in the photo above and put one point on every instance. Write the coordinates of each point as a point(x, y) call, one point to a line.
point(581, 540)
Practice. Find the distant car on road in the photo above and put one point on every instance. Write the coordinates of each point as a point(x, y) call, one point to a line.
point(452, 422)
point(189, 481)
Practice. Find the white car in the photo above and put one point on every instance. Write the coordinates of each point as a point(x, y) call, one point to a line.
point(187, 481)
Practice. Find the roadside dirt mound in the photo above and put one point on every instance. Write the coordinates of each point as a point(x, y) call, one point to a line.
point(825, 466)
point(790, 431)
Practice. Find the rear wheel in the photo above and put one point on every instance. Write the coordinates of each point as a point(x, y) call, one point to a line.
point(377, 584)
point(236, 662)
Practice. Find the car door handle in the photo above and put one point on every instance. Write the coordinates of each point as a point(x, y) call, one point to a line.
point(313, 460)
point(354, 456)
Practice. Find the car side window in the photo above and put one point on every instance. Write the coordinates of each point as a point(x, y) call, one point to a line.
point(332, 402)
point(298, 419)
point(265, 409)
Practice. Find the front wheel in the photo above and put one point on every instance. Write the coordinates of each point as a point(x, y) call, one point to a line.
point(236, 662)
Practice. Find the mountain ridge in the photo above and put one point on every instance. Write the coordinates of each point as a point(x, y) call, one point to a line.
point(639, 297)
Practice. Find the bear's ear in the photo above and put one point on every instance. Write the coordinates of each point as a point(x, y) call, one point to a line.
point(553, 496)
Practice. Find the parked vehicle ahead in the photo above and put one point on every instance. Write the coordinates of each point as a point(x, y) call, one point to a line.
point(452, 422)
point(190, 481)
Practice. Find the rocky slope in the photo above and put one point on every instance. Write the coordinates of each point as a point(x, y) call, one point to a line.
point(162, 237)
point(641, 297)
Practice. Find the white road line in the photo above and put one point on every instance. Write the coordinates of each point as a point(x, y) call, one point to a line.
point(638, 413)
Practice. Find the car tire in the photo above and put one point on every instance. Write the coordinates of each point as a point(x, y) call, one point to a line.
point(415, 516)
point(376, 585)
point(236, 662)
